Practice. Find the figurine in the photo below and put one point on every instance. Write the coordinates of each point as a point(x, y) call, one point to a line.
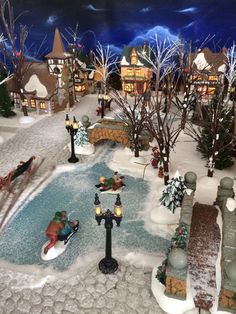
point(113, 183)
point(60, 229)
point(12, 175)
point(161, 172)
point(156, 157)
point(53, 230)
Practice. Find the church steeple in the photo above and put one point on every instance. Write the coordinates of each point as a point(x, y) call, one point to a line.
point(58, 49)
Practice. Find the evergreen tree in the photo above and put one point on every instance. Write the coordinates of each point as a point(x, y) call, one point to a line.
point(5, 101)
point(216, 114)
point(81, 137)
point(173, 193)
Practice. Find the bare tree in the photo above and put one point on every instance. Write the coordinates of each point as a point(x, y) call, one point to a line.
point(135, 114)
point(13, 47)
point(230, 74)
point(165, 59)
point(105, 63)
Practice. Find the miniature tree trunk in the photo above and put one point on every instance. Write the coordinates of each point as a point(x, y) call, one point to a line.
point(166, 171)
point(136, 145)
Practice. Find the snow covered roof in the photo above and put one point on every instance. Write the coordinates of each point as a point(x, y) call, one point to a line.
point(37, 80)
point(126, 56)
point(206, 60)
point(58, 50)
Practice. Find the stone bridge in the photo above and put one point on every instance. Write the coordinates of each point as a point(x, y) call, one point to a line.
point(109, 129)
point(114, 130)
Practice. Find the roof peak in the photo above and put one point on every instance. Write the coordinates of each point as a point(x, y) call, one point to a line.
point(58, 46)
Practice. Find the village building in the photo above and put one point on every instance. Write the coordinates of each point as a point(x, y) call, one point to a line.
point(47, 86)
point(207, 70)
point(136, 72)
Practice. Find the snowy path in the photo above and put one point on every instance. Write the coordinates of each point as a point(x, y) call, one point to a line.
point(202, 254)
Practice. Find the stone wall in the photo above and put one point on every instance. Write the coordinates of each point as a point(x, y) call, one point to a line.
point(227, 299)
point(176, 272)
point(175, 287)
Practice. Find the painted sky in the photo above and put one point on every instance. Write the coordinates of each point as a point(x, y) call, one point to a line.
point(120, 22)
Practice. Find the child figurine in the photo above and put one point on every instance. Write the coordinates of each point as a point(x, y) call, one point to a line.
point(53, 230)
point(156, 157)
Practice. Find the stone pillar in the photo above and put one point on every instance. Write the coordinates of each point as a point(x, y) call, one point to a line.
point(190, 179)
point(225, 190)
point(176, 274)
point(227, 298)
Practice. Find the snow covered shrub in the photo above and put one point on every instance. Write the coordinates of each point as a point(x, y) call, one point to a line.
point(173, 193)
point(81, 137)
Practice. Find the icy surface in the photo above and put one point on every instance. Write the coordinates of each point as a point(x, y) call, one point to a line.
point(74, 191)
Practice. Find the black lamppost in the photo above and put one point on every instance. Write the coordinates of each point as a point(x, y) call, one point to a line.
point(108, 265)
point(72, 129)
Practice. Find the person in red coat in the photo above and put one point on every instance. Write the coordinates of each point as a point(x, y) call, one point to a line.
point(53, 230)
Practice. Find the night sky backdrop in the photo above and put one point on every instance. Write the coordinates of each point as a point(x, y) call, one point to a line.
point(119, 22)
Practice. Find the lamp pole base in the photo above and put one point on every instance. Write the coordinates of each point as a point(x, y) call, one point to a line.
point(73, 159)
point(108, 266)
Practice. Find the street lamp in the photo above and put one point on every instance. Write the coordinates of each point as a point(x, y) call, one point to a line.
point(108, 265)
point(72, 129)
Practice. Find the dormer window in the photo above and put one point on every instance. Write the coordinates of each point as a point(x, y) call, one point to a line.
point(134, 57)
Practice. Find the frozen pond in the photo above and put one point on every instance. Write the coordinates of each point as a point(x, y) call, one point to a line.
point(74, 191)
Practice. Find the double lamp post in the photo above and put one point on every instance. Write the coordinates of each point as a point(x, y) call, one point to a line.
point(72, 128)
point(108, 265)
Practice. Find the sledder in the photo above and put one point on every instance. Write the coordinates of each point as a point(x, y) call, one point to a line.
point(115, 183)
point(60, 230)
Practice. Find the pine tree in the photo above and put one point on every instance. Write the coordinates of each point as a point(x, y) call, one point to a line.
point(216, 113)
point(81, 137)
point(5, 101)
point(173, 193)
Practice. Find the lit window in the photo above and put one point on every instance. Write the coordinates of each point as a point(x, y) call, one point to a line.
point(211, 90)
point(213, 78)
point(129, 87)
point(199, 89)
point(42, 105)
point(79, 88)
point(50, 61)
point(197, 78)
point(138, 72)
point(32, 103)
point(129, 72)
point(25, 102)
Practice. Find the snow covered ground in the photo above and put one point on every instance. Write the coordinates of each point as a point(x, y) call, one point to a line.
point(157, 219)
